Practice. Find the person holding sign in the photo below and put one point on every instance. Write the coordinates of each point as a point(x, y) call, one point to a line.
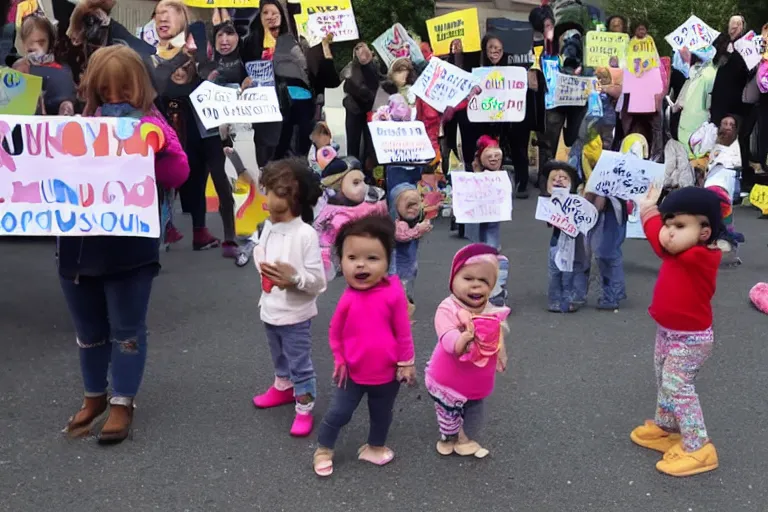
point(107, 280)
point(360, 88)
point(680, 232)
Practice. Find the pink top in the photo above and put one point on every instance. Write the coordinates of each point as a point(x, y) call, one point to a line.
point(446, 369)
point(171, 164)
point(404, 233)
point(370, 332)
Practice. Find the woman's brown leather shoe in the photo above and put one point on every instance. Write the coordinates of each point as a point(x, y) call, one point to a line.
point(85, 421)
point(118, 425)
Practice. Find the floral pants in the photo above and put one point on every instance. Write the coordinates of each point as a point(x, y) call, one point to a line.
point(678, 357)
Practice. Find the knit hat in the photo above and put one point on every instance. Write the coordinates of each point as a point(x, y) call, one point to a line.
point(334, 174)
point(556, 165)
point(483, 143)
point(695, 201)
point(467, 253)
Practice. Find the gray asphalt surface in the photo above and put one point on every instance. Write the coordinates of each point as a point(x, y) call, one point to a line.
point(557, 428)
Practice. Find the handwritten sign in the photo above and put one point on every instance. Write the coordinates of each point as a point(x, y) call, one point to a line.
point(606, 49)
point(758, 197)
point(262, 72)
point(503, 95)
point(19, 92)
point(642, 55)
point(749, 47)
point(568, 90)
point(443, 85)
point(463, 25)
point(78, 176)
point(694, 34)
point(395, 43)
point(481, 196)
point(341, 23)
point(571, 213)
point(216, 105)
point(623, 176)
point(229, 4)
point(399, 142)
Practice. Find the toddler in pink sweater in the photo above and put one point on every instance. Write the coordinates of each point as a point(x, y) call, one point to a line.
point(371, 341)
point(470, 350)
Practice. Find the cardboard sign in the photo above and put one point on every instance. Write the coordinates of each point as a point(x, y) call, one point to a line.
point(568, 90)
point(571, 213)
point(642, 90)
point(502, 100)
point(341, 23)
point(443, 85)
point(19, 92)
point(758, 197)
point(463, 25)
point(401, 142)
point(642, 55)
point(481, 196)
point(694, 34)
point(210, 4)
point(749, 47)
point(216, 105)
point(623, 176)
point(262, 72)
point(606, 49)
point(395, 43)
point(78, 176)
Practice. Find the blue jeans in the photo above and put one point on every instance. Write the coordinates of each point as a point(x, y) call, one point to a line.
point(484, 233)
point(381, 401)
point(607, 246)
point(291, 349)
point(565, 288)
point(407, 264)
point(110, 317)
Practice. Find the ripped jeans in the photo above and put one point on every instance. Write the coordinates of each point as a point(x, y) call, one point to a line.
point(110, 317)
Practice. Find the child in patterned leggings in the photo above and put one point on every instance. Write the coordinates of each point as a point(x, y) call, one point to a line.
point(682, 234)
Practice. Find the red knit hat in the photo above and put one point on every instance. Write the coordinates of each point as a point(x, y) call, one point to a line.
point(483, 143)
point(464, 254)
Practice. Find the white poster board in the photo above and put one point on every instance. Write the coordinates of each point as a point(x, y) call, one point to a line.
point(216, 105)
point(78, 176)
point(569, 90)
point(749, 48)
point(571, 213)
point(340, 23)
point(443, 85)
point(503, 96)
point(481, 196)
point(694, 34)
point(400, 142)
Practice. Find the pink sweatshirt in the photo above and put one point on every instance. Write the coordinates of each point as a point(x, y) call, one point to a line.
point(445, 368)
point(171, 164)
point(370, 332)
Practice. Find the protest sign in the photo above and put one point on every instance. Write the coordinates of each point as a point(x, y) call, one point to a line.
point(481, 196)
point(694, 34)
point(758, 197)
point(312, 7)
point(503, 95)
point(749, 48)
point(216, 105)
point(340, 22)
point(571, 213)
point(78, 176)
point(642, 55)
point(210, 4)
point(401, 141)
point(642, 90)
point(606, 49)
point(395, 43)
point(262, 72)
point(568, 90)
point(19, 92)
point(462, 25)
point(443, 85)
point(625, 176)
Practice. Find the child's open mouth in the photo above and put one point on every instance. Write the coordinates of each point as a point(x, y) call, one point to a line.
point(362, 276)
point(475, 296)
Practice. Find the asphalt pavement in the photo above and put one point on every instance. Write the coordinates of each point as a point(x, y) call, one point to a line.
point(558, 423)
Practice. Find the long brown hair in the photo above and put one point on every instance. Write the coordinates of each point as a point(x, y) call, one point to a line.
point(116, 74)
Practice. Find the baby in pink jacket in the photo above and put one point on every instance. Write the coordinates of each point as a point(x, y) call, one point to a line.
point(470, 350)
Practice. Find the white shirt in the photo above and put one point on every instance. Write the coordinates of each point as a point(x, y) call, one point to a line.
point(297, 244)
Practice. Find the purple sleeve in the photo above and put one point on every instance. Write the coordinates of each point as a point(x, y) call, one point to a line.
point(171, 164)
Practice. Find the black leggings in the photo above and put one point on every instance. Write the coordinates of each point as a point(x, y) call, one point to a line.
point(359, 143)
point(517, 149)
point(207, 157)
point(300, 117)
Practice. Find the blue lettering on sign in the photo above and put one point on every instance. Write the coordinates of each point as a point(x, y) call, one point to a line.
point(67, 221)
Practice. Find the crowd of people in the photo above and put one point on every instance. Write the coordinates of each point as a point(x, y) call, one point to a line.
point(330, 215)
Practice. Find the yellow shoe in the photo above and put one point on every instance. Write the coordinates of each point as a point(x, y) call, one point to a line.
point(650, 435)
point(677, 462)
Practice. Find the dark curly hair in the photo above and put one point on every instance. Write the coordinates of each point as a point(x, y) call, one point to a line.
point(292, 179)
point(380, 227)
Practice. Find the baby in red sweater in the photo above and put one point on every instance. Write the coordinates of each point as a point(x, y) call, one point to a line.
point(681, 232)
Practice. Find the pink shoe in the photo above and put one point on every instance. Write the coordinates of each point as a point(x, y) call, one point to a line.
point(302, 424)
point(274, 398)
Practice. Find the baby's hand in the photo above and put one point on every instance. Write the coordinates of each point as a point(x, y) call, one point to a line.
point(501, 362)
point(407, 375)
point(651, 197)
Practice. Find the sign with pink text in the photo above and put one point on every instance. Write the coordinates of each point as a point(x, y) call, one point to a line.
point(502, 97)
point(571, 213)
point(443, 85)
point(694, 34)
point(749, 48)
point(481, 196)
point(340, 23)
point(395, 43)
point(78, 176)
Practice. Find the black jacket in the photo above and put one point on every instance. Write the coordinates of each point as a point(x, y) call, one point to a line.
point(361, 87)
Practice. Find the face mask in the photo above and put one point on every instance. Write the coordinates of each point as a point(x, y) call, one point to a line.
point(39, 58)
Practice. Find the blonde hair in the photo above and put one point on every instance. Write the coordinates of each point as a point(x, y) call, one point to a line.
point(179, 7)
point(116, 73)
point(321, 128)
